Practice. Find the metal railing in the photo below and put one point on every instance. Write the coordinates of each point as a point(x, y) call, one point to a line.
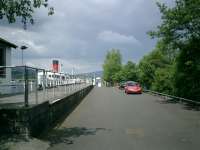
point(25, 86)
point(180, 99)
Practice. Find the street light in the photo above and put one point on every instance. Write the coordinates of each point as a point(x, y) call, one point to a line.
point(23, 48)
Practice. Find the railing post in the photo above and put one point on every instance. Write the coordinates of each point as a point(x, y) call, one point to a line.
point(65, 88)
point(54, 86)
point(36, 87)
point(44, 84)
point(26, 86)
point(68, 88)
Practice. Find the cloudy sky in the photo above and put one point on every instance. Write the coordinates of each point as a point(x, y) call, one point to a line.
point(81, 31)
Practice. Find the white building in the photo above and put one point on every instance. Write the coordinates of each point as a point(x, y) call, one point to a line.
point(5, 59)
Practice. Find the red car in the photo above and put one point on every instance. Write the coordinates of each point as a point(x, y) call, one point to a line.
point(133, 88)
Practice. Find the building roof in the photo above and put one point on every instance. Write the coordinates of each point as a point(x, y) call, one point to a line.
point(4, 42)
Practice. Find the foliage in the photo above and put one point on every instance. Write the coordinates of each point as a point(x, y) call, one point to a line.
point(128, 72)
point(24, 9)
point(119, 76)
point(149, 64)
point(187, 79)
point(112, 65)
point(115, 72)
point(180, 24)
point(180, 30)
point(163, 80)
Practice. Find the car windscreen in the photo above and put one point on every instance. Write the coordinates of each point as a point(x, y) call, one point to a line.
point(131, 84)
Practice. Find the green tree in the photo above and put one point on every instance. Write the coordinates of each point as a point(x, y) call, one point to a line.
point(146, 73)
point(149, 64)
point(112, 65)
point(187, 79)
point(180, 24)
point(164, 80)
point(128, 72)
point(119, 76)
point(24, 9)
point(180, 29)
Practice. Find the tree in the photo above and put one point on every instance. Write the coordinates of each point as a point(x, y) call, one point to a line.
point(180, 29)
point(130, 71)
point(146, 73)
point(164, 80)
point(150, 63)
point(187, 79)
point(180, 24)
point(112, 65)
point(119, 76)
point(24, 9)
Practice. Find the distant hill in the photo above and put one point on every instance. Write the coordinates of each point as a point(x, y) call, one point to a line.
point(92, 74)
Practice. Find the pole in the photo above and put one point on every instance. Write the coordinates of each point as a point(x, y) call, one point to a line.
point(26, 86)
point(44, 81)
point(23, 48)
point(22, 57)
point(36, 87)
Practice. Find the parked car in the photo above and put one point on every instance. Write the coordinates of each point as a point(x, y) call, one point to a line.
point(133, 88)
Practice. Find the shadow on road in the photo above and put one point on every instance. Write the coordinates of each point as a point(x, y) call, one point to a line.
point(166, 101)
point(187, 106)
point(11, 105)
point(10, 138)
point(67, 135)
point(193, 107)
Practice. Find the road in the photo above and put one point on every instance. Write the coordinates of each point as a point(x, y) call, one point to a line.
point(107, 119)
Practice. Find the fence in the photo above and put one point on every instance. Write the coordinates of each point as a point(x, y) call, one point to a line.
point(180, 99)
point(24, 86)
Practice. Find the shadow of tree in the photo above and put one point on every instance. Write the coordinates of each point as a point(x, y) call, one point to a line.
point(10, 138)
point(67, 135)
point(189, 106)
point(167, 101)
point(185, 105)
point(11, 105)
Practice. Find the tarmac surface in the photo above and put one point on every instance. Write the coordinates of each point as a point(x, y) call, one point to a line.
point(108, 119)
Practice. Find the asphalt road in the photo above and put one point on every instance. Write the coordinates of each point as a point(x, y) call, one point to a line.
point(107, 119)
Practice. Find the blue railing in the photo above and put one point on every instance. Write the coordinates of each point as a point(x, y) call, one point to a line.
point(24, 85)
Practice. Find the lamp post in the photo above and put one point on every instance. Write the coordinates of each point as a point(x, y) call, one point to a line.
point(23, 48)
point(61, 67)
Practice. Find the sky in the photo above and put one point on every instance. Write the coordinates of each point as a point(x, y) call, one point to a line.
point(81, 32)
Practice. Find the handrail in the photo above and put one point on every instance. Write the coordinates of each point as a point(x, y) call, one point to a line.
point(174, 97)
point(29, 67)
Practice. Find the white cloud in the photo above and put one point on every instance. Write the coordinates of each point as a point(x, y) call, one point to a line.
point(24, 37)
point(114, 37)
point(39, 49)
point(81, 31)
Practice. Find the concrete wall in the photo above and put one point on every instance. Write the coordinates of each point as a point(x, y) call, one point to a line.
point(36, 119)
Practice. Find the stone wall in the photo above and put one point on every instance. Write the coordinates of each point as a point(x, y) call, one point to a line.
point(36, 119)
